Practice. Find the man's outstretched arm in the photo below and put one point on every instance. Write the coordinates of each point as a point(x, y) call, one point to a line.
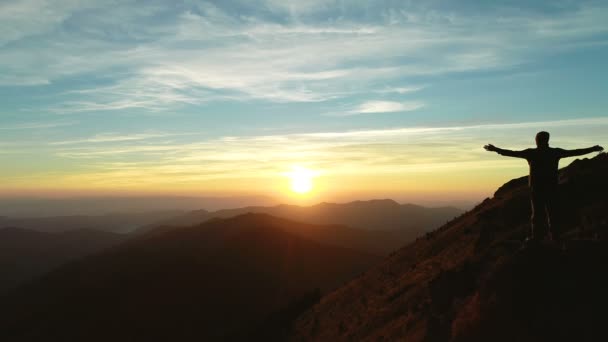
point(581, 151)
point(503, 152)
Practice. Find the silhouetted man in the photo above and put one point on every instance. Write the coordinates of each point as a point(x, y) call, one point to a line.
point(543, 161)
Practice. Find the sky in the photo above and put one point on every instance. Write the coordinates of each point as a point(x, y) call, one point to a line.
point(374, 98)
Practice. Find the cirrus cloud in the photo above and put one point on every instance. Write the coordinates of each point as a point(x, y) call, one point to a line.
point(377, 107)
point(208, 51)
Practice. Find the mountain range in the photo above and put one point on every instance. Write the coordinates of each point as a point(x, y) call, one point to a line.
point(94, 206)
point(376, 226)
point(27, 255)
point(212, 281)
point(125, 222)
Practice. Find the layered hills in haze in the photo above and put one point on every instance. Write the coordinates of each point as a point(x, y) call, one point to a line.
point(94, 206)
point(115, 222)
point(28, 254)
point(377, 226)
point(470, 280)
point(212, 281)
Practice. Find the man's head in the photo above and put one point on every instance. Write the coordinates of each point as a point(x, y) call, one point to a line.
point(542, 139)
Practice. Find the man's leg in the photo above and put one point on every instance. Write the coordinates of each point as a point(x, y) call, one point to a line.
point(539, 218)
point(552, 210)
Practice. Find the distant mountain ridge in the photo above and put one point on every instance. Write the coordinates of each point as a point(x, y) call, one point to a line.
point(30, 264)
point(393, 224)
point(205, 282)
point(101, 205)
point(115, 222)
point(383, 214)
point(470, 280)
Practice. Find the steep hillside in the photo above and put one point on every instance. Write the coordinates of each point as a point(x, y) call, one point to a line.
point(26, 254)
point(470, 280)
point(213, 281)
point(394, 223)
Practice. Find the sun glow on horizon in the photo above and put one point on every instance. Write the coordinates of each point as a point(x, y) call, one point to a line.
point(301, 180)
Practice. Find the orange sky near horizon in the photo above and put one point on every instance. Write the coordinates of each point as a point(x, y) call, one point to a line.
point(413, 164)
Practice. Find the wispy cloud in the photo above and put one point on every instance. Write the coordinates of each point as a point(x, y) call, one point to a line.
point(387, 107)
point(21, 19)
point(376, 107)
point(400, 90)
point(36, 125)
point(207, 52)
point(112, 137)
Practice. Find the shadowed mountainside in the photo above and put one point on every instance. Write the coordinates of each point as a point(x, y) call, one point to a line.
point(26, 254)
point(378, 226)
point(471, 281)
point(211, 281)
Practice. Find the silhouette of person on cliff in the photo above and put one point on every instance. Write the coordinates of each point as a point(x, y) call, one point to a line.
point(543, 179)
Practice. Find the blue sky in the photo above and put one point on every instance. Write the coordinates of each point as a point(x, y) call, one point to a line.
point(212, 96)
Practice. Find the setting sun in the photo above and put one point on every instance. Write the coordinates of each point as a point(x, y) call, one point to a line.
point(301, 180)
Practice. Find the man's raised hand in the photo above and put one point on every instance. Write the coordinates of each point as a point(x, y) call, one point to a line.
point(490, 147)
point(598, 148)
